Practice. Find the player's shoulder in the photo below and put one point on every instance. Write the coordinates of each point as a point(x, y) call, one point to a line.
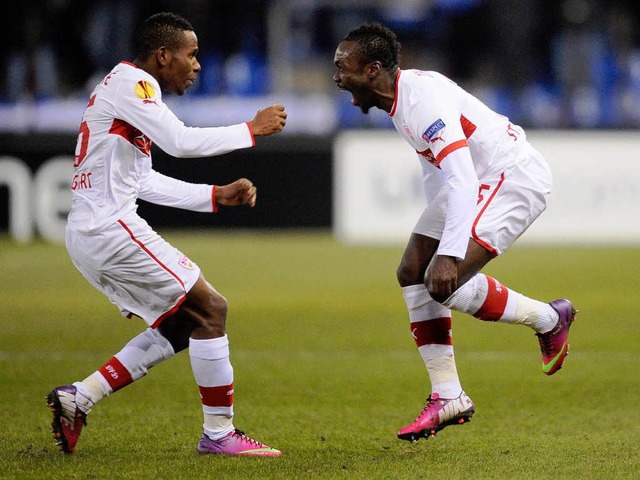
point(416, 75)
point(127, 83)
point(427, 85)
point(428, 80)
point(128, 76)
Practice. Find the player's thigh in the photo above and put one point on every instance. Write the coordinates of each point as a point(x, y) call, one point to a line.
point(417, 255)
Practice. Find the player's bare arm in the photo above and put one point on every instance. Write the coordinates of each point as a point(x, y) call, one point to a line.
point(240, 192)
point(269, 120)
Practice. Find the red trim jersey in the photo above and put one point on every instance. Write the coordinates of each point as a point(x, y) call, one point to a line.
point(124, 117)
point(459, 140)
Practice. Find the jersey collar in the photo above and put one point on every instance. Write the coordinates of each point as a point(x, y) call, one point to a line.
point(395, 101)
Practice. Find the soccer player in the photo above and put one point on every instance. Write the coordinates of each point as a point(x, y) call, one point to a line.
point(484, 185)
point(120, 254)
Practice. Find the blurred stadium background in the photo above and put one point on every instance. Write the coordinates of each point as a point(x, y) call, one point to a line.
point(324, 317)
point(570, 66)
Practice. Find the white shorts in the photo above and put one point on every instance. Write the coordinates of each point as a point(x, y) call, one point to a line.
point(134, 267)
point(508, 203)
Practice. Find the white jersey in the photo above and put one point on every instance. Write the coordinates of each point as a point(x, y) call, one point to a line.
point(439, 119)
point(113, 168)
point(436, 117)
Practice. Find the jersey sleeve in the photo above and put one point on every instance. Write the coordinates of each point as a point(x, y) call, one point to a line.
point(432, 179)
point(437, 123)
point(461, 183)
point(170, 192)
point(139, 103)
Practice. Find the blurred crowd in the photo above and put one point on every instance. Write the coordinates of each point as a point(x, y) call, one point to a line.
point(544, 63)
point(60, 47)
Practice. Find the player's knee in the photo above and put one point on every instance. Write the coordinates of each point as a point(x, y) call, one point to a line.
point(215, 314)
point(216, 307)
point(207, 310)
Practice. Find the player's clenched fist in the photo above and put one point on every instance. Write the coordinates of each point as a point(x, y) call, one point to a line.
point(269, 120)
point(240, 192)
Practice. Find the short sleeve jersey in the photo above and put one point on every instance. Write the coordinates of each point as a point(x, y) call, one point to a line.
point(125, 115)
point(437, 117)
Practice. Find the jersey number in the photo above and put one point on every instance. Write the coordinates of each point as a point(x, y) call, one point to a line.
point(83, 142)
point(483, 187)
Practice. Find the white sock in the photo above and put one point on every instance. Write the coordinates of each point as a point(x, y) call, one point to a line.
point(214, 375)
point(431, 330)
point(444, 376)
point(535, 314)
point(142, 352)
point(485, 298)
point(90, 391)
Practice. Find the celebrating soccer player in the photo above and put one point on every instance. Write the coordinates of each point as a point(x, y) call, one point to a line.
point(119, 253)
point(484, 185)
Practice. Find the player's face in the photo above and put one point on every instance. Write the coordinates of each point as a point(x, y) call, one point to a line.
point(353, 77)
point(183, 68)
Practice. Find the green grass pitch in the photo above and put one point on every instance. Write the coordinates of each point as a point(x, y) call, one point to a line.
point(326, 370)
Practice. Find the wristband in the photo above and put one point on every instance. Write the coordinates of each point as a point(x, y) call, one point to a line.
point(213, 199)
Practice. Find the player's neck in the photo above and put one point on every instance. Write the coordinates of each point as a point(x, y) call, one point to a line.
point(387, 91)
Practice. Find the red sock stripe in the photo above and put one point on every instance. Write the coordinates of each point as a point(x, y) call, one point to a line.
point(221, 396)
point(435, 331)
point(494, 305)
point(115, 374)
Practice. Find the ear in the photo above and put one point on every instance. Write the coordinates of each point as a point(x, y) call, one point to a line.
point(374, 69)
point(162, 56)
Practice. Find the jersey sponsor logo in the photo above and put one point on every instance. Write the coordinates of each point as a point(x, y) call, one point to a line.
point(142, 143)
point(430, 133)
point(145, 90)
point(132, 135)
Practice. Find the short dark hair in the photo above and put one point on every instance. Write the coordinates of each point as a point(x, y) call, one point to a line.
point(161, 29)
point(376, 42)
